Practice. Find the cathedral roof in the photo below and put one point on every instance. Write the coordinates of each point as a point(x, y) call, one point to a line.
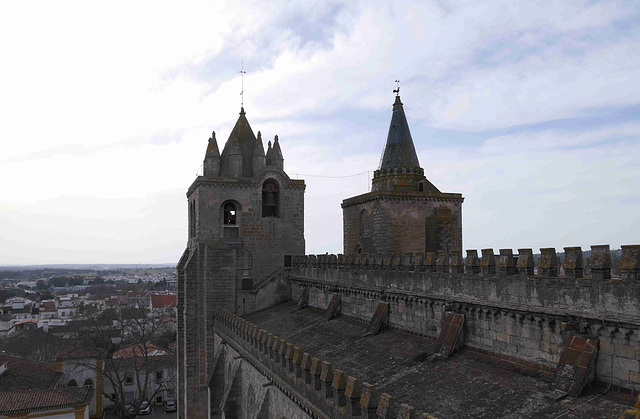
point(399, 150)
point(246, 141)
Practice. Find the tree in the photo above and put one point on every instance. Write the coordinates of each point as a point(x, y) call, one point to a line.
point(76, 281)
point(41, 284)
point(133, 367)
point(59, 281)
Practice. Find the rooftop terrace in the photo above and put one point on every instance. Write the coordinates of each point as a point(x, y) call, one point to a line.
point(468, 384)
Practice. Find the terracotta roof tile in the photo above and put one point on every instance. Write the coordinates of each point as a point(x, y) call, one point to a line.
point(23, 374)
point(164, 300)
point(78, 352)
point(37, 400)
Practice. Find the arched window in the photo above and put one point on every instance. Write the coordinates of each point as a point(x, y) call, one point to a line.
point(192, 219)
point(72, 383)
point(230, 220)
point(270, 192)
point(230, 213)
point(88, 383)
point(364, 223)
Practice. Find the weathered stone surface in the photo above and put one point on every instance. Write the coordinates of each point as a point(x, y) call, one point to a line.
point(600, 262)
point(430, 387)
point(630, 262)
point(572, 265)
point(506, 264)
point(472, 264)
point(575, 366)
point(488, 262)
point(525, 263)
point(451, 336)
point(548, 266)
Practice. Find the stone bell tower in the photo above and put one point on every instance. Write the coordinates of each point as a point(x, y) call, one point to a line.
point(245, 215)
point(404, 212)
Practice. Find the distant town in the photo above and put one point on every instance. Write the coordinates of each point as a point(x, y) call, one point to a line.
point(46, 297)
point(100, 338)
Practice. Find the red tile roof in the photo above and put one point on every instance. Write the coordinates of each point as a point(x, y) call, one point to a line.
point(23, 374)
point(164, 300)
point(137, 351)
point(12, 402)
point(48, 306)
point(78, 352)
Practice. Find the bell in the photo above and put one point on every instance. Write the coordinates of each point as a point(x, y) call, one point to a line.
point(270, 200)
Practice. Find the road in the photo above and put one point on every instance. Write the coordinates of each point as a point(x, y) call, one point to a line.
point(157, 412)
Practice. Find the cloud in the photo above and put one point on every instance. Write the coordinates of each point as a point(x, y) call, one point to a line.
point(528, 110)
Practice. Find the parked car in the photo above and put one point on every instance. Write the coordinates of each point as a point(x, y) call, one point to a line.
point(145, 408)
point(170, 406)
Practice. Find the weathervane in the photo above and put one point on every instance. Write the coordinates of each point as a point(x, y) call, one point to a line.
point(242, 73)
point(397, 91)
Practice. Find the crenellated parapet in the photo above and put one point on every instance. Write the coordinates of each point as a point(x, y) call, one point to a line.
point(505, 263)
point(516, 306)
point(311, 382)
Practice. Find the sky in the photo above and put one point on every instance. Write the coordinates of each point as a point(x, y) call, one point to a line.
point(531, 110)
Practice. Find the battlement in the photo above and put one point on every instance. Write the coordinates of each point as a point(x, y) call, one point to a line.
point(307, 378)
point(515, 307)
point(506, 263)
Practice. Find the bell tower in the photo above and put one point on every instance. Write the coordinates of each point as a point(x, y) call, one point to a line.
point(404, 212)
point(245, 214)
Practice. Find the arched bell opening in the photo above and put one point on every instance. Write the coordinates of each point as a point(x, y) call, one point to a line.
point(270, 198)
point(230, 220)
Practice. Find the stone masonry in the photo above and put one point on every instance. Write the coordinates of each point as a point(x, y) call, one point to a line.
point(244, 266)
point(404, 212)
point(523, 315)
point(245, 215)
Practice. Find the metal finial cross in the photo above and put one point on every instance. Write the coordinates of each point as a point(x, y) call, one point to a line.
point(242, 73)
point(397, 91)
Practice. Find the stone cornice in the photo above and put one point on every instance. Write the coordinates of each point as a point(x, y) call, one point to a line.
point(402, 196)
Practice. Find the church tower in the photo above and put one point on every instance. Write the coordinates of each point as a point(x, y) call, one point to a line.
point(245, 214)
point(404, 212)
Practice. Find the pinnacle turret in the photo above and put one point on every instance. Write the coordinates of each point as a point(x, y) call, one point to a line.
point(275, 158)
point(211, 164)
point(259, 159)
point(259, 148)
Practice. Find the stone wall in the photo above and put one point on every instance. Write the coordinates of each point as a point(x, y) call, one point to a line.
point(240, 272)
point(265, 239)
point(513, 309)
point(398, 224)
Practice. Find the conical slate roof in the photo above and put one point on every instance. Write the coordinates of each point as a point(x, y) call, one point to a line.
point(246, 141)
point(399, 150)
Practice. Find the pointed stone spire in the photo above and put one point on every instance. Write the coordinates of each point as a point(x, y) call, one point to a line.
point(276, 157)
point(235, 157)
point(269, 153)
point(259, 159)
point(211, 164)
point(259, 148)
point(399, 150)
point(243, 137)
